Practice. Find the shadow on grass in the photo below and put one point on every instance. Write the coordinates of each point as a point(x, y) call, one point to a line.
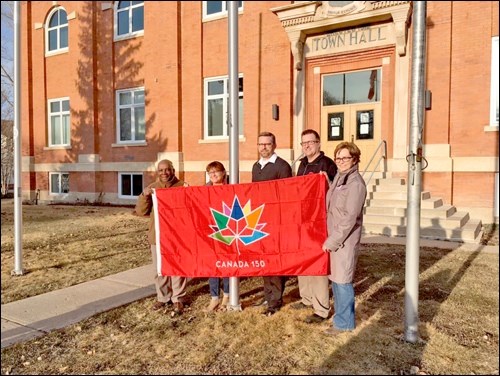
point(381, 287)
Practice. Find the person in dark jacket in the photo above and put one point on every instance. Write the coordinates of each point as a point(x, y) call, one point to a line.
point(314, 290)
point(270, 167)
point(314, 160)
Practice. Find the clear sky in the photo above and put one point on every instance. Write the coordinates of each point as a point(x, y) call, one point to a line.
point(7, 33)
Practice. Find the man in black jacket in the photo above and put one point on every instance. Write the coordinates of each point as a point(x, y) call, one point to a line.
point(314, 159)
point(314, 290)
point(270, 167)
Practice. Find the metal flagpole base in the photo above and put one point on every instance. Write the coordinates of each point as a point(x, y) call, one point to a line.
point(411, 336)
point(234, 307)
point(234, 295)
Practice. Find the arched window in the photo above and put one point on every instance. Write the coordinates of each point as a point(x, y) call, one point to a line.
point(129, 19)
point(57, 31)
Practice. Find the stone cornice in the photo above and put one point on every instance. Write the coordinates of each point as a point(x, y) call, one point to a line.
point(313, 17)
point(297, 21)
point(387, 4)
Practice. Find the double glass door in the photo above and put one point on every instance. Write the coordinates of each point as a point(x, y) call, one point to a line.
point(351, 111)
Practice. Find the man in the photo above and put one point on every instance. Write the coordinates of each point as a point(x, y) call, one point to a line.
point(314, 290)
point(270, 167)
point(169, 290)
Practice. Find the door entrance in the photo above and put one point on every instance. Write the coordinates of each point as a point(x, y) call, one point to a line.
point(351, 111)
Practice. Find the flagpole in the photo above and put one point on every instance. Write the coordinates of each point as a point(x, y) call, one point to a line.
point(233, 119)
point(417, 115)
point(18, 197)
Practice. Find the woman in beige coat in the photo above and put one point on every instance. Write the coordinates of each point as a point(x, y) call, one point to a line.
point(344, 201)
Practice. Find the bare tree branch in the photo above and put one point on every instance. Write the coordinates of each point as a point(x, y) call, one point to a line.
point(7, 75)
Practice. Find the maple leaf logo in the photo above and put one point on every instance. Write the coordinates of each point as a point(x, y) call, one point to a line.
point(238, 224)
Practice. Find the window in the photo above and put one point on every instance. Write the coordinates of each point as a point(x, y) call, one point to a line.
point(129, 19)
point(216, 9)
point(130, 185)
point(57, 31)
point(349, 88)
point(130, 115)
point(494, 83)
point(59, 182)
point(59, 122)
point(217, 107)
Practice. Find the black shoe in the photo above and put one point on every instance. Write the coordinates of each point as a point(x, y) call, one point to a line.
point(314, 319)
point(158, 305)
point(261, 303)
point(178, 308)
point(270, 311)
point(299, 305)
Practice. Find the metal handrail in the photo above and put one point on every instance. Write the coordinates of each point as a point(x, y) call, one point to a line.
point(381, 157)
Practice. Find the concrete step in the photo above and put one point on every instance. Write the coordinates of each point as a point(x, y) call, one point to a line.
point(370, 178)
point(386, 213)
point(428, 203)
point(443, 211)
point(431, 203)
point(375, 175)
point(390, 188)
point(390, 181)
point(393, 195)
point(470, 233)
point(452, 222)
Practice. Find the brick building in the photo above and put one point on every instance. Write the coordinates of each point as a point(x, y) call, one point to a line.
point(111, 87)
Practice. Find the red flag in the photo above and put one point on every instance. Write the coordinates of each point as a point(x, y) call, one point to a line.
point(275, 227)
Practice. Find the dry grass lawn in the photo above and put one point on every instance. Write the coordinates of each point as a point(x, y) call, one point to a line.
point(66, 245)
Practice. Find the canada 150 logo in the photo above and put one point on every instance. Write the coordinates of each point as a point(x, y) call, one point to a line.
point(238, 224)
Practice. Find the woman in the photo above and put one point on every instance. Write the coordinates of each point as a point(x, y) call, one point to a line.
point(344, 201)
point(218, 176)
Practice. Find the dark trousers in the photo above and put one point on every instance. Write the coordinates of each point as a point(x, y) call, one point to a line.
point(273, 291)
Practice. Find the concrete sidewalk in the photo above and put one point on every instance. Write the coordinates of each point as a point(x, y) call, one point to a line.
point(25, 319)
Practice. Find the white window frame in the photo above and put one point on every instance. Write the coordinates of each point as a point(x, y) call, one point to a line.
point(131, 174)
point(61, 115)
point(132, 106)
point(494, 83)
point(221, 14)
point(129, 9)
point(58, 28)
point(225, 106)
point(59, 188)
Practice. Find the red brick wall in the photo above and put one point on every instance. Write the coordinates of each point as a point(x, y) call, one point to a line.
point(471, 81)
point(178, 51)
point(438, 70)
point(261, 40)
point(465, 189)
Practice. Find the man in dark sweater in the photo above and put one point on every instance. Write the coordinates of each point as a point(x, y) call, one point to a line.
point(270, 167)
point(314, 290)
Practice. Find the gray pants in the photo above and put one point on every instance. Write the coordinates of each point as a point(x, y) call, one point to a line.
point(314, 291)
point(167, 288)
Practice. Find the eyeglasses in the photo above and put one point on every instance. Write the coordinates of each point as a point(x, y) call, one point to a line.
point(214, 172)
point(306, 143)
point(343, 159)
point(266, 144)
